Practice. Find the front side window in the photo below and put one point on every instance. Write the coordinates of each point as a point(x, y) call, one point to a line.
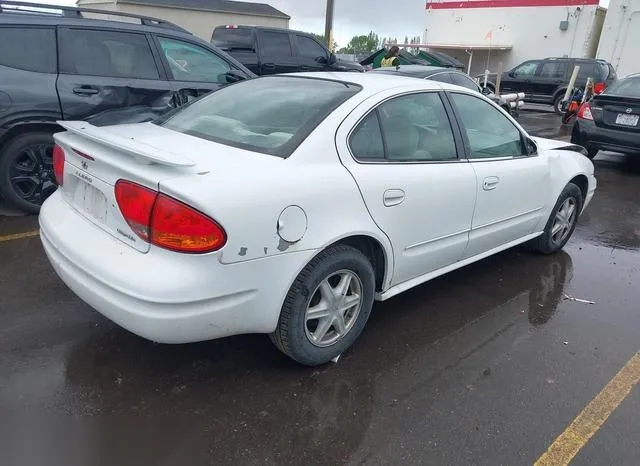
point(189, 62)
point(28, 49)
point(276, 44)
point(270, 115)
point(411, 128)
point(309, 48)
point(106, 53)
point(527, 69)
point(489, 132)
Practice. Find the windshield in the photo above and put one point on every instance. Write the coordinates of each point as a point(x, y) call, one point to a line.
point(629, 87)
point(271, 115)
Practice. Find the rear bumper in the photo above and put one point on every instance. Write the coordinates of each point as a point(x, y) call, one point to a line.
point(587, 134)
point(161, 295)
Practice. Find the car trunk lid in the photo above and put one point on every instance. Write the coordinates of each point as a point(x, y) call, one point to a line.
point(146, 154)
point(614, 112)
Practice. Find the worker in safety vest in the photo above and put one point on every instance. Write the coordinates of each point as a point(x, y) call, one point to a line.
point(391, 58)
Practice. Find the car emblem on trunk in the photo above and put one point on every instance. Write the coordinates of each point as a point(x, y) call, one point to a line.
point(629, 110)
point(85, 165)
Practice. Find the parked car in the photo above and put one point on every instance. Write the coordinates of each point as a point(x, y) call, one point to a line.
point(446, 75)
point(423, 57)
point(287, 204)
point(611, 120)
point(65, 66)
point(274, 50)
point(546, 81)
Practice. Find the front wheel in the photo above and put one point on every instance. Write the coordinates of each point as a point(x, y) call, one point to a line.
point(562, 222)
point(327, 306)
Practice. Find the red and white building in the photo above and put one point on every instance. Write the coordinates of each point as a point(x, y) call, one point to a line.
point(483, 33)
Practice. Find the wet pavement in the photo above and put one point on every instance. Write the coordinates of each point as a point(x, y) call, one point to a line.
point(485, 366)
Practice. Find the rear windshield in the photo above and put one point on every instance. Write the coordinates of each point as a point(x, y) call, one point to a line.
point(271, 115)
point(236, 38)
point(629, 87)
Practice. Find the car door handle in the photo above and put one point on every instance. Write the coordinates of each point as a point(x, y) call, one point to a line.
point(85, 90)
point(393, 197)
point(305, 68)
point(490, 183)
point(269, 66)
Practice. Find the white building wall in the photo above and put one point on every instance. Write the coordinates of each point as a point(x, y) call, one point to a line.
point(532, 32)
point(620, 40)
point(200, 23)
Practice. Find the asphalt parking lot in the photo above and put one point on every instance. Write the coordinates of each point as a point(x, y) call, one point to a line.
point(494, 364)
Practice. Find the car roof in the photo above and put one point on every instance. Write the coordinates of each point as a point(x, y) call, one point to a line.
point(262, 28)
point(35, 19)
point(376, 82)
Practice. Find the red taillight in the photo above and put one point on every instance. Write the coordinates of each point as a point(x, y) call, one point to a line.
point(136, 204)
point(58, 164)
point(166, 222)
point(598, 88)
point(585, 112)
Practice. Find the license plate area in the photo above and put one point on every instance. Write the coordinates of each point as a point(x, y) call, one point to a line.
point(625, 119)
point(92, 201)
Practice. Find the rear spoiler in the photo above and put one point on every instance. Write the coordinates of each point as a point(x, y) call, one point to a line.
point(143, 153)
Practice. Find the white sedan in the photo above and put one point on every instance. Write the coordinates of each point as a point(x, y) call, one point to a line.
point(287, 204)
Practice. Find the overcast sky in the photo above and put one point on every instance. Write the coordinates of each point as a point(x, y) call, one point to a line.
point(388, 18)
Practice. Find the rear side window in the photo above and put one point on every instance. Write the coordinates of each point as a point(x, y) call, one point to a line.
point(553, 69)
point(235, 38)
point(460, 79)
point(106, 53)
point(276, 43)
point(28, 49)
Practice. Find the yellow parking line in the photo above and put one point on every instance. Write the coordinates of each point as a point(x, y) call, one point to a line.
point(27, 234)
point(593, 416)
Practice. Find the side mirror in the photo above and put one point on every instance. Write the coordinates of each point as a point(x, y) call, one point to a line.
point(332, 58)
point(486, 91)
point(233, 76)
point(512, 74)
point(532, 148)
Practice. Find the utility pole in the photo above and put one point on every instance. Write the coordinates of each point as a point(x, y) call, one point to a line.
point(328, 28)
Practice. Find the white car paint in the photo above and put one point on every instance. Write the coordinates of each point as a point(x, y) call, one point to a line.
point(280, 213)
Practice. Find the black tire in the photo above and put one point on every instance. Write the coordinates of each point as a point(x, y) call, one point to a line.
point(27, 155)
point(545, 243)
point(291, 335)
point(557, 104)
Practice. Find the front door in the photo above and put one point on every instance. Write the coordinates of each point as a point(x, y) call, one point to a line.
point(102, 71)
point(192, 69)
point(311, 55)
point(510, 182)
point(520, 79)
point(404, 158)
point(276, 53)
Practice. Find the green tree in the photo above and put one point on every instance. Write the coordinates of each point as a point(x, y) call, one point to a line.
point(363, 44)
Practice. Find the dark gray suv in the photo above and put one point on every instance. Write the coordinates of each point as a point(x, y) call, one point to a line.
point(63, 66)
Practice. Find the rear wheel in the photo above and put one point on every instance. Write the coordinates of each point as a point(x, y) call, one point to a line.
point(557, 104)
point(26, 171)
point(562, 222)
point(327, 306)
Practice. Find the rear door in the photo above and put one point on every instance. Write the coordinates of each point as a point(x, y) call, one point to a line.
point(108, 69)
point(192, 69)
point(404, 156)
point(312, 56)
point(550, 77)
point(276, 52)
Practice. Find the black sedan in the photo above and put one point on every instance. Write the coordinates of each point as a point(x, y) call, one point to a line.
point(611, 120)
point(445, 75)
